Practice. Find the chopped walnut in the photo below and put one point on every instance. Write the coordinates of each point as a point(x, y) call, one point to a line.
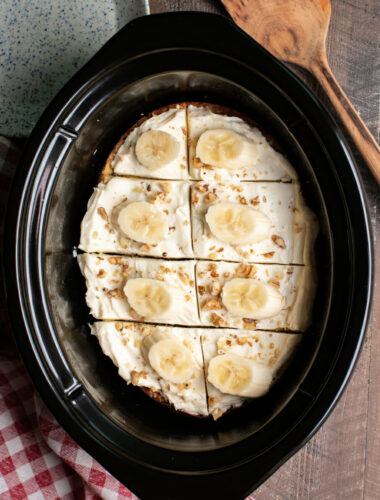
point(250, 270)
point(125, 270)
point(146, 330)
point(210, 304)
point(202, 188)
point(101, 273)
point(278, 241)
point(226, 274)
point(243, 341)
point(184, 277)
point(166, 187)
point(246, 270)
point(268, 255)
point(255, 201)
point(210, 197)
point(249, 324)
point(116, 293)
point(213, 400)
point(197, 163)
point(243, 200)
point(274, 282)
point(201, 290)
point(103, 214)
point(135, 376)
point(216, 320)
point(216, 413)
point(214, 274)
point(215, 288)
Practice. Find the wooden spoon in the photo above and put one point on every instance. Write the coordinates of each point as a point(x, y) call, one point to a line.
point(295, 31)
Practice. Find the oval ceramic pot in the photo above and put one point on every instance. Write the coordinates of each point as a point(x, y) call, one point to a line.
point(152, 62)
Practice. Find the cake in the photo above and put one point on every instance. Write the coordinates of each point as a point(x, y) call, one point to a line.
point(198, 256)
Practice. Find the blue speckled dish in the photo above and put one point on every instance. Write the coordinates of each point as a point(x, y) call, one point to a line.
point(43, 43)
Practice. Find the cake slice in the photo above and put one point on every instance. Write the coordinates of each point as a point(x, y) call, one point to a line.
point(252, 221)
point(138, 217)
point(255, 296)
point(226, 146)
point(240, 365)
point(166, 362)
point(156, 147)
point(132, 288)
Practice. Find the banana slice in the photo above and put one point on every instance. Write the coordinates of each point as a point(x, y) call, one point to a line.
point(233, 374)
point(251, 298)
point(142, 221)
point(155, 149)
point(168, 357)
point(236, 224)
point(149, 298)
point(224, 148)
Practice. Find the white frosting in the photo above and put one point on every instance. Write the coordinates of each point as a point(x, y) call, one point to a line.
point(173, 122)
point(268, 348)
point(270, 165)
point(100, 233)
point(121, 341)
point(296, 284)
point(292, 225)
point(107, 275)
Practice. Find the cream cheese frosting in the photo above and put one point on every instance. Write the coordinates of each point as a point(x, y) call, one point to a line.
point(100, 231)
point(295, 284)
point(173, 122)
point(292, 228)
point(270, 349)
point(106, 277)
point(268, 164)
point(121, 341)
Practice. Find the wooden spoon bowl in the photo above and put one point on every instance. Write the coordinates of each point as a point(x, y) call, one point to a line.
point(295, 31)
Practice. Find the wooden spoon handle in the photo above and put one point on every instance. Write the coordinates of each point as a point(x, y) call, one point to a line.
point(360, 134)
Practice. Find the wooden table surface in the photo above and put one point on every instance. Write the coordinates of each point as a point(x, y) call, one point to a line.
point(342, 461)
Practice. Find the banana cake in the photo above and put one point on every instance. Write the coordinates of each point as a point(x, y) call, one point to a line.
point(198, 256)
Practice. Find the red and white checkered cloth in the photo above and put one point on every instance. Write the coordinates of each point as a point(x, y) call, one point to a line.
point(38, 459)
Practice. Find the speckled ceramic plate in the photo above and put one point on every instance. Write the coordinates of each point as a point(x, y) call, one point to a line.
point(44, 43)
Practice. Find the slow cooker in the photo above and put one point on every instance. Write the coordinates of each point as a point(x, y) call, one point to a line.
point(155, 61)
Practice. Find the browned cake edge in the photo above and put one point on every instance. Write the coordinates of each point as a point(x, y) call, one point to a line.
point(159, 398)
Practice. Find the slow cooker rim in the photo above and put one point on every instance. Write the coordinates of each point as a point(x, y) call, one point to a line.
point(19, 182)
